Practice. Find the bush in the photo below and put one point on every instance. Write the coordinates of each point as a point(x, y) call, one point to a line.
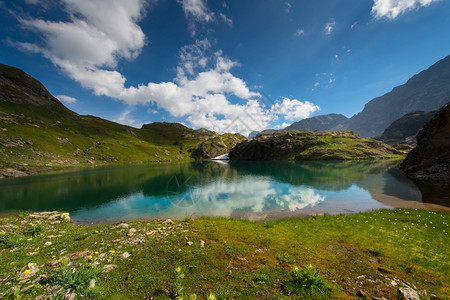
point(308, 282)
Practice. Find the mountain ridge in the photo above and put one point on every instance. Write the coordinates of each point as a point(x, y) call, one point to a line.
point(425, 91)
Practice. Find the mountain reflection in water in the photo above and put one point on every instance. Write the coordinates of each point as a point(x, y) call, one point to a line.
point(252, 190)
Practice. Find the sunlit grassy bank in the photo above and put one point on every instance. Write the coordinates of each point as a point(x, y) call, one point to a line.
point(371, 254)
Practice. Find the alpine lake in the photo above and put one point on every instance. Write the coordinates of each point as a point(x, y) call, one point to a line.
point(254, 190)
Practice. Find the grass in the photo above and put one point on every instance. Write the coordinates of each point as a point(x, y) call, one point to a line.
point(238, 259)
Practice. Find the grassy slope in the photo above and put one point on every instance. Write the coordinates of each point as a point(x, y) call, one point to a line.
point(240, 259)
point(51, 137)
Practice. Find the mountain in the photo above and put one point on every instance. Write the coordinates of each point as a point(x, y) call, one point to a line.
point(430, 160)
point(405, 129)
point(307, 145)
point(38, 133)
point(428, 90)
point(320, 123)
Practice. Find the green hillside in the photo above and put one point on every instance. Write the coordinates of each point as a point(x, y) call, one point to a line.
point(38, 133)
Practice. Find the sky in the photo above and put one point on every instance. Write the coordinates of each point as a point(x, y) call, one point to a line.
point(228, 66)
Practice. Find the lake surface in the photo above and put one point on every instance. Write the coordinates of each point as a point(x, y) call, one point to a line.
point(252, 190)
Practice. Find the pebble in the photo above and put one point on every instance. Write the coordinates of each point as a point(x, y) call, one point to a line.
point(126, 255)
point(169, 222)
point(48, 244)
point(92, 284)
point(202, 244)
point(123, 226)
point(108, 268)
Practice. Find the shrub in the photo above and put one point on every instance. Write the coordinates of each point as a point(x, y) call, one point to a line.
point(308, 282)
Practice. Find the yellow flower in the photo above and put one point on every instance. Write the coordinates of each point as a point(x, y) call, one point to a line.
point(56, 269)
point(178, 269)
point(310, 266)
point(96, 253)
point(182, 275)
point(26, 271)
point(296, 269)
point(90, 256)
point(112, 251)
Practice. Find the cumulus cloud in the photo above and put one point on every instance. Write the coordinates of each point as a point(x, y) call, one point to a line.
point(391, 9)
point(98, 34)
point(330, 26)
point(294, 109)
point(66, 99)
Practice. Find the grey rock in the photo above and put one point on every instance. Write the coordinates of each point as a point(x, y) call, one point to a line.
point(408, 293)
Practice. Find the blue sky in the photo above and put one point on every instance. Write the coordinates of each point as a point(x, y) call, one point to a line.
point(229, 66)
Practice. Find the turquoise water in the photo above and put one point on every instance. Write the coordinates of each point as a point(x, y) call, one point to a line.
point(252, 190)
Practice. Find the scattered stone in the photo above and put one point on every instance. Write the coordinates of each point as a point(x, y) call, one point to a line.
point(435, 297)
point(54, 236)
point(27, 288)
point(123, 226)
point(422, 293)
point(39, 279)
point(126, 255)
point(48, 244)
point(169, 222)
point(70, 296)
point(408, 293)
point(9, 172)
point(379, 298)
point(78, 255)
point(261, 250)
point(29, 270)
point(108, 268)
point(190, 243)
point(393, 283)
point(132, 230)
point(90, 161)
point(92, 284)
point(361, 294)
point(361, 277)
point(202, 244)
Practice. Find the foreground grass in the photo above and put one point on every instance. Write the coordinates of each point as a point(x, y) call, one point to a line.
point(369, 254)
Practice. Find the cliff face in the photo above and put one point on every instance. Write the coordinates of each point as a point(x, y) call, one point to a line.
point(405, 129)
point(305, 145)
point(430, 160)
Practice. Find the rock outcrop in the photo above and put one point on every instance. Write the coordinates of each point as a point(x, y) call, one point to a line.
point(430, 160)
point(405, 129)
point(217, 145)
point(307, 145)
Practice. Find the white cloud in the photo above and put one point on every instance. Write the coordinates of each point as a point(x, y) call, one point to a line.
point(288, 6)
point(197, 10)
point(391, 9)
point(225, 19)
point(300, 32)
point(294, 109)
point(330, 26)
point(66, 99)
point(125, 119)
point(354, 25)
point(98, 34)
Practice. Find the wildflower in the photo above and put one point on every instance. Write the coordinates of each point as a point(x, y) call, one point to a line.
point(90, 256)
point(112, 251)
point(211, 296)
point(182, 275)
point(96, 253)
point(310, 266)
point(55, 269)
point(26, 271)
point(296, 269)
